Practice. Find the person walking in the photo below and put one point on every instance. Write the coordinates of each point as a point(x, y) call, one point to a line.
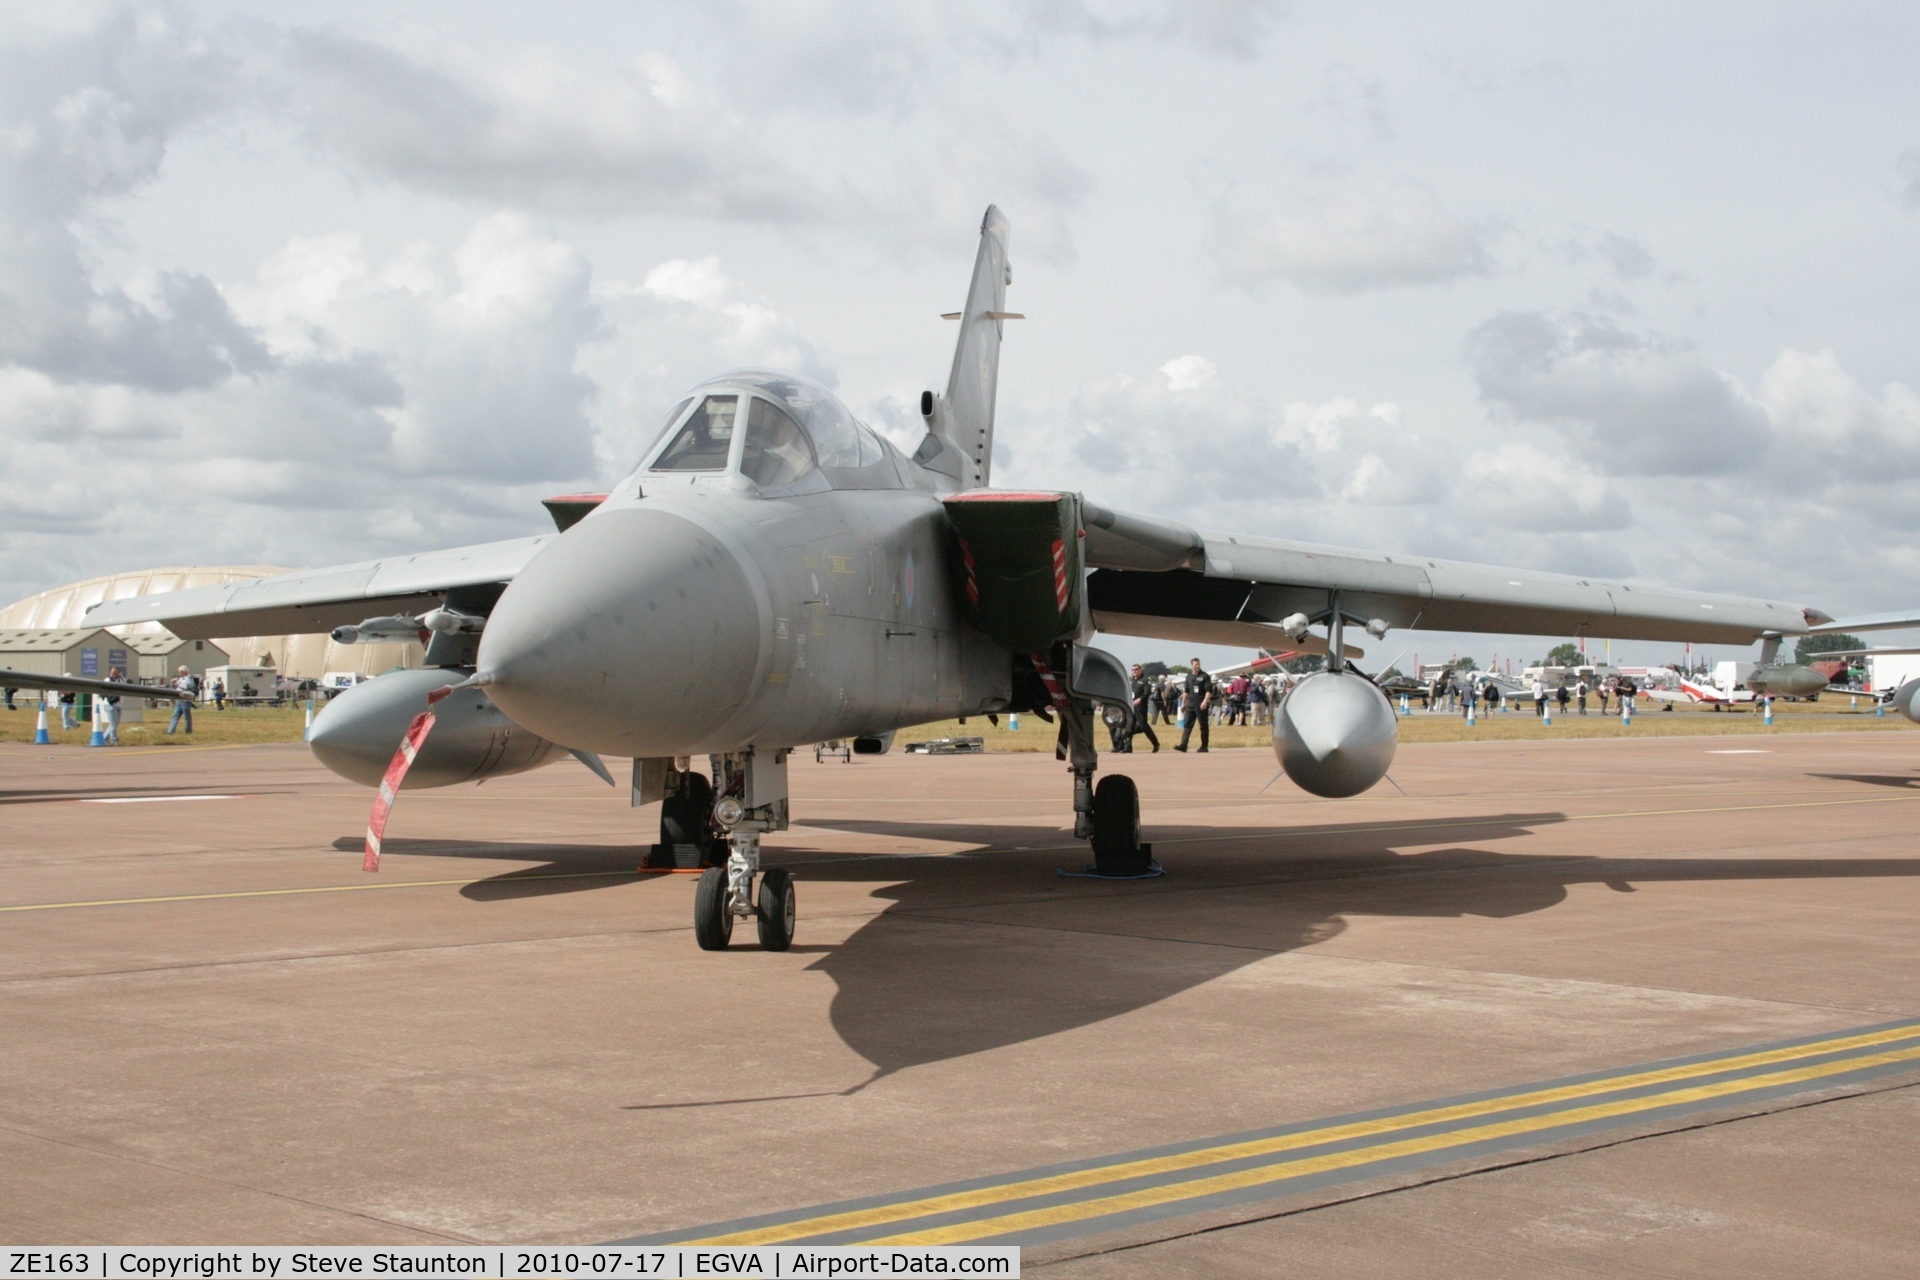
point(1469, 698)
point(1627, 690)
point(1142, 690)
point(1539, 696)
point(1580, 691)
point(1563, 696)
point(219, 692)
point(183, 707)
point(1169, 699)
point(68, 701)
point(1237, 700)
point(1605, 691)
point(112, 738)
point(1493, 697)
point(1199, 698)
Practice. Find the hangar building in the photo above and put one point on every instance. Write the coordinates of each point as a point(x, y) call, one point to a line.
point(304, 657)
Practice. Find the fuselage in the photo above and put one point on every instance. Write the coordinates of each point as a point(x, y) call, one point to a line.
point(702, 611)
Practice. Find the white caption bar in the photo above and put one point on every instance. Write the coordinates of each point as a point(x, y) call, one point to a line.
point(629, 1261)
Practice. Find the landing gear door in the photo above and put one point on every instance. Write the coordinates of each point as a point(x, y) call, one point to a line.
point(1097, 674)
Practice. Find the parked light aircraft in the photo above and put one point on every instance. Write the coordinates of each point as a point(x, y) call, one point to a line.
point(1734, 683)
point(773, 573)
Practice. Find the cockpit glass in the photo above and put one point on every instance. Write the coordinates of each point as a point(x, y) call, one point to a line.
point(836, 438)
point(777, 452)
point(705, 439)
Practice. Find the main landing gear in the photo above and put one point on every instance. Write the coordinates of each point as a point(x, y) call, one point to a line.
point(752, 800)
point(1108, 815)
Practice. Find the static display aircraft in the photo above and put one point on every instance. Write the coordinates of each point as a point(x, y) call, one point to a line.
point(773, 574)
point(1739, 683)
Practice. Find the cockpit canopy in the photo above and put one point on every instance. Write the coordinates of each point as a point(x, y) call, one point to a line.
point(777, 429)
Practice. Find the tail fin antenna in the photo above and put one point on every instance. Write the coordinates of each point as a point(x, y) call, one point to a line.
point(959, 439)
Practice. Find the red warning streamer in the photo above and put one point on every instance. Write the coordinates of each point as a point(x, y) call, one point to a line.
point(390, 786)
point(1055, 690)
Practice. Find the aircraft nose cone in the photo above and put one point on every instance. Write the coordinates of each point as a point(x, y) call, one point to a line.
point(634, 633)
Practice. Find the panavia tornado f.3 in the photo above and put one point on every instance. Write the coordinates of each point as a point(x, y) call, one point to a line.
point(774, 574)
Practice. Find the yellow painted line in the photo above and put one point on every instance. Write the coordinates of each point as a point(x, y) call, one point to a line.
point(1004, 1192)
point(1152, 1196)
point(324, 888)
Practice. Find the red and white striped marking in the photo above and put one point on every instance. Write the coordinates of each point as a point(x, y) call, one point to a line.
point(1055, 690)
point(390, 786)
point(1060, 573)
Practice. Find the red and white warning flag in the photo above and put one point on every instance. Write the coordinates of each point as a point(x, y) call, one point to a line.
point(390, 786)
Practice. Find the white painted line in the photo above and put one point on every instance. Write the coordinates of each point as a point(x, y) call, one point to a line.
point(1740, 751)
point(154, 799)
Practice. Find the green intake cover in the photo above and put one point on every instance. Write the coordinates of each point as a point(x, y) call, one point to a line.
point(1019, 566)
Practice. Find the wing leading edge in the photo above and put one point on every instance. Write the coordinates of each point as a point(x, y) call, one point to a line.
point(313, 600)
point(1157, 577)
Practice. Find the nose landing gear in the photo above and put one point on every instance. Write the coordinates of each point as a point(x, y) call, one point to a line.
point(752, 801)
point(725, 894)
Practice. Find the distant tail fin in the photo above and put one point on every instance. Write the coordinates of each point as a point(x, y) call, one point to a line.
point(959, 439)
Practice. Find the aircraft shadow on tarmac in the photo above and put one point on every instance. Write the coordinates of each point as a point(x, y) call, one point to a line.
point(565, 868)
point(993, 948)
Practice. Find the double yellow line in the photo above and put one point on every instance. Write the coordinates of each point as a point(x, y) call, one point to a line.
point(1378, 1134)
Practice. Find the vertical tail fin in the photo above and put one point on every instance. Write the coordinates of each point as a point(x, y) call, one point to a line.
point(959, 439)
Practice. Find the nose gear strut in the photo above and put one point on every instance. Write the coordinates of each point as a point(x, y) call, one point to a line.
point(752, 801)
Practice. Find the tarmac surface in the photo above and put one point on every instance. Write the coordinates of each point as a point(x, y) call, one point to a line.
point(1575, 1008)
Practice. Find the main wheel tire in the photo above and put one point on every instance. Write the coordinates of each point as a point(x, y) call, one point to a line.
point(776, 910)
point(1116, 827)
point(712, 913)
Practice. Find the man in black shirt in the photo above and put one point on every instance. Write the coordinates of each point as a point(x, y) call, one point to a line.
point(1143, 693)
point(1199, 702)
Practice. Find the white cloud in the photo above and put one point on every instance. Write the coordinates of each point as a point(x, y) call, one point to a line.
point(1523, 487)
point(87, 109)
point(1189, 373)
point(1631, 403)
point(1835, 423)
point(531, 128)
point(1352, 241)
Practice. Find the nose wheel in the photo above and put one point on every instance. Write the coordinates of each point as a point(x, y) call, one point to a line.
point(726, 894)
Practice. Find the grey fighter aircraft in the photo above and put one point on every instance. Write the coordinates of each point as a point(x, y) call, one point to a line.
point(773, 574)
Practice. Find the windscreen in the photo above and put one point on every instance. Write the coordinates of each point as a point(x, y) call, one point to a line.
point(703, 443)
point(777, 451)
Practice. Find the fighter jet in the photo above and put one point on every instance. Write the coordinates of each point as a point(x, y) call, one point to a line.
point(772, 573)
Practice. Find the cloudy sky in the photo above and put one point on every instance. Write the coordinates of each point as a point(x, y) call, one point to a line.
point(1623, 291)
